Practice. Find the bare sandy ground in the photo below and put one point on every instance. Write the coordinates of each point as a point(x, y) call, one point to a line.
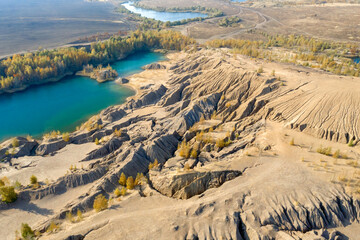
point(46, 169)
point(50, 168)
point(147, 78)
point(37, 210)
point(284, 171)
point(337, 22)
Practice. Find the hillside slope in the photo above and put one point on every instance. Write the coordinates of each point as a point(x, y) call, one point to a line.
point(220, 132)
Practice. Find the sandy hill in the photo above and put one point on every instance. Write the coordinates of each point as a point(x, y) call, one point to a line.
point(239, 157)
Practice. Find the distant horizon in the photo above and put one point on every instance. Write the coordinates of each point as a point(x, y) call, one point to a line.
point(28, 25)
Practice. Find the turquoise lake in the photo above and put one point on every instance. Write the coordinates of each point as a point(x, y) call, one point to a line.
point(162, 16)
point(65, 104)
point(357, 60)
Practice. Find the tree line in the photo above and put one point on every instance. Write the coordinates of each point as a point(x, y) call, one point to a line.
point(149, 23)
point(212, 12)
point(20, 70)
point(300, 50)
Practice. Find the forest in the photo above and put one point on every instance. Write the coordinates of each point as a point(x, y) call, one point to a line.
point(326, 55)
point(22, 70)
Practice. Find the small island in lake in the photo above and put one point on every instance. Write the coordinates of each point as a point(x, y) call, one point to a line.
point(99, 73)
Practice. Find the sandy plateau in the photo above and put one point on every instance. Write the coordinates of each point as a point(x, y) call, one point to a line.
point(258, 174)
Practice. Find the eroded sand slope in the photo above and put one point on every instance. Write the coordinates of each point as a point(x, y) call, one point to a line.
point(257, 187)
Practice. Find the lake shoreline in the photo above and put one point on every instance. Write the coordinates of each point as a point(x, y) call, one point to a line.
point(132, 92)
point(25, 87)
point(86, 44)
point(163, 16)
point(59, 78)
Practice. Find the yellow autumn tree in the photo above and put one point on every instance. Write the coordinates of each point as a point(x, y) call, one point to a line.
point(117, 192)
point(122, 180)
point(130, 183)
point(100, 203)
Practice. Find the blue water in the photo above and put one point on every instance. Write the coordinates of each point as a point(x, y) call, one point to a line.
point(357, 60)
point(65, 104)
point(162, 16)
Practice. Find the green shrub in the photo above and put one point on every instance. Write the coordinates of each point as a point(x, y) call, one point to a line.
point(8, 194)
point(52, 228)
point(17, 185)
point(33, 180)
point(336, 154)
point(26, 231)
point(15, 142)
point(328, 151)
point(325, 151)
point(351, 143)
point(229, 21)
